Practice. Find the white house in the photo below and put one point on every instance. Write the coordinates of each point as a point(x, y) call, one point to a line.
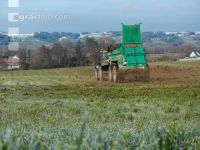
point(13, 63)
point(195, 55)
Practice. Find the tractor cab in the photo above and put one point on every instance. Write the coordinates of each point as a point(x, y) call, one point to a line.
point(104, 58)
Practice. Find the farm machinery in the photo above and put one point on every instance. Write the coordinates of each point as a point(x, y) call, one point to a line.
point(127, 62)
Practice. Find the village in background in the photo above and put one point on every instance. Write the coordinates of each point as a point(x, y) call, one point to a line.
point(55, 50)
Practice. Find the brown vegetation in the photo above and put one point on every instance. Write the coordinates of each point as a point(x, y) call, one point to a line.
point(163, 73)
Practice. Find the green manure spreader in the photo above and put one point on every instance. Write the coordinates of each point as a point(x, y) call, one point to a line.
point(127, 62)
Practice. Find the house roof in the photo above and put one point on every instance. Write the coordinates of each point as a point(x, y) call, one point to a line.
point(193, 54)
point(197, 53)
point(9, 60)
point(13, 59)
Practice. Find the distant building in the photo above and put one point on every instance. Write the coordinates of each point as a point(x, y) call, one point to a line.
point(63, 38)
point(195, 55)
point(95, 35)
point(13, 63)
point(171, 33)
point(9, 63)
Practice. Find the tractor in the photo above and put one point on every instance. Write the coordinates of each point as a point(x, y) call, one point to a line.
point(126, 62)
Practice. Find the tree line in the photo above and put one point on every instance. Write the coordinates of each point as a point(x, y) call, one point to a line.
point(64, 53)
point(83, 52)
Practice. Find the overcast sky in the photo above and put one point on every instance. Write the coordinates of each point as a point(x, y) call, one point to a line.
point(105, 15)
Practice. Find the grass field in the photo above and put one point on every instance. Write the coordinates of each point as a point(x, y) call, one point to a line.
point(68, 109)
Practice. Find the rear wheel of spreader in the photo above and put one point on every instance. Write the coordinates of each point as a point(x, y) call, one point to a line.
point(100, 74)
point(97, 74)
point(110, 74)
point(115, 73)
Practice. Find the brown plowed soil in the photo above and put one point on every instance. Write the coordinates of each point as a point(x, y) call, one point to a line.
point(161, 74)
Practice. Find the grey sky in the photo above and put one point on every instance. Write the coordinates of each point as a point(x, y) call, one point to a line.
point(106, 15)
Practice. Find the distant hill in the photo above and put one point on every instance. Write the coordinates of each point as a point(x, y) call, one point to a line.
point(149, 38)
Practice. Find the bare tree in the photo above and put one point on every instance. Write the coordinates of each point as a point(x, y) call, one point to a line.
point(79, 54)
point(90, 50)
point(24, 54)
point(57, 54)
point(41, 58)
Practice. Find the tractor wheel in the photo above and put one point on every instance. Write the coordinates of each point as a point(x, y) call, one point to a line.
point(115, 73)
point(100, 74)
point(96, 74)
point(110, 74)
